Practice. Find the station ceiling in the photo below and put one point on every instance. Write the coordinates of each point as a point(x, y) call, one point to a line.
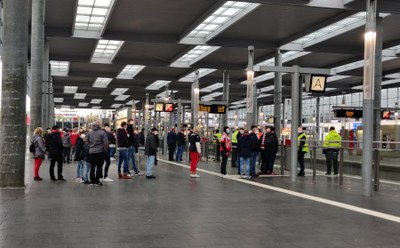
point(166, 41)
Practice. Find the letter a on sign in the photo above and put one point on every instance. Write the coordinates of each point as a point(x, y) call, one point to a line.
point(318, 83)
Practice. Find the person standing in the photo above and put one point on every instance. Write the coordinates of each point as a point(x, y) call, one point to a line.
point(74, 136)
point(151, 148)
point(226, 148)
point(269, 147)
point(123, 145)
point(331, 146)
point(217, 142)
point(80, 157)
point(244, 152)
point(54, 146)
point(39, 153)
point(172, 139)
point(194, 152)
point(235, 138)
point(181, 145)
point(107, 157)
point(133, 143)
point(98, 146)
point(255, 149)
point(302, 150)
point(66, 141)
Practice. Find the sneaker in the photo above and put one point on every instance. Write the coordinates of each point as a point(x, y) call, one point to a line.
point(224, 176)
point(78, 180)
point(249, 177)
point(120, 176)
point(62, 179)
point(126, 176)
point(194, 176)
point(139, 173)
point(86, 182)
point(335, 174)
point(82, 181)
point(327, 174)
point(107, 179)
point(101, 179)
point(300, 174)
point(112, 158)
point(151, 177)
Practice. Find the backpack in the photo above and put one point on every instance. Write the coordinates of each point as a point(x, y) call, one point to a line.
point(32, 147)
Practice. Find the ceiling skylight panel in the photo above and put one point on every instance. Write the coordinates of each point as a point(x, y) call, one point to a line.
point(163, 94)
point(194, 55)
point(83, 104)
point(116, 105)
point(158, 84)
point(119, 91)
point(121, 97)
point(130, 71)
point(192, 76)
point(96, 101)
point(70, 89)
point(102, 82)
point(107, 49)
point(58, 99)
point(58, 67)
point(79, 95)
point(92, 15)
point(212, 87)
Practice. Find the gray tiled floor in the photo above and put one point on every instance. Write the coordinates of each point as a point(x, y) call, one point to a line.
point(176, 211)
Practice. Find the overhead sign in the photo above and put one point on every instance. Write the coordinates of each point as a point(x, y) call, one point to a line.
point(213, 109)
point(348, 113)
point(286, 132)
point(159, 107)
point(318, 83)
point(169, 107)
point(386, 115)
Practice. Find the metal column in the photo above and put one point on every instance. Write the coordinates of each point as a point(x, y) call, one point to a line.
point(179, 116)
point(37, 50)
point(295, 122)
point(195, 100)
point(146, 116)
point(250, 89)
point(377, 102)
point(46, 85)
point(368, 103)
point(225, 98)
point(278, 94)
point(13, 109)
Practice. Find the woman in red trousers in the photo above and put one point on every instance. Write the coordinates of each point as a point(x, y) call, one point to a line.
point(194, 152)
point(40, 151)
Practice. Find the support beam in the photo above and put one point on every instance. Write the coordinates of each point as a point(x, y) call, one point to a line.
point(45, 89)
point(250, 89)
point(368, 101)
point(278, 94)
point(37, 50)
point(13, 100)
point(295, 122)
point(225, 98)
point(195, 100)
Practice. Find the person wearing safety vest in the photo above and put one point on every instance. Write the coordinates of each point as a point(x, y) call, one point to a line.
point(217, 141)
point(332, 145)
point(235, 137)
point(302, 149)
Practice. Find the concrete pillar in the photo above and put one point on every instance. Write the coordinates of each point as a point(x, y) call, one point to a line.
point(255, 105)
point(377, 99)
point(295, 122)
point(146, 116)
point(179, 116)
point(45, 88)
point(195, 100)
point(52, 106)
point(278, 94)
point(250, 110)
point(368, 97)
point(13, 109)
point(37, 50)
point(225, 98)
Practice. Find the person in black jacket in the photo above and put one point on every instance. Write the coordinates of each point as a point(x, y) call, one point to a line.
point(107, 158)
point(255, 149)
point(269, 148)
point(244, 152)
point(80, 156)
point(151, 148)
point(123, 145)
point(194, 151)
point(55, 148)
point(172, 139)
point(181, 145)
point(133, 140)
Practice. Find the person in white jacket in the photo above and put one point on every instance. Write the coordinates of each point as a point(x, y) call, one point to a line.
point(194, 151)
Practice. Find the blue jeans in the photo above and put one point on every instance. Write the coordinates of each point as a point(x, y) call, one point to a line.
point(131, 156)
point(247, 162)
point(111, 152)
point(86, 171)
point(79, 169)
point(123, 157)
point(179, 153)
point(150, 165)
point(254, 156)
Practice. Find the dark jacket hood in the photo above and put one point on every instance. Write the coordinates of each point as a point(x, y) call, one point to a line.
point(96, 127)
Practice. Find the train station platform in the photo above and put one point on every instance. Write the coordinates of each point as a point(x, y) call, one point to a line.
point(177, 211)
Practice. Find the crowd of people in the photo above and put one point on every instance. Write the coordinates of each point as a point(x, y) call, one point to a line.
point(93, 148)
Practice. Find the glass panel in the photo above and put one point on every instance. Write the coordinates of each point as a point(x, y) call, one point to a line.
point(84, 10)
